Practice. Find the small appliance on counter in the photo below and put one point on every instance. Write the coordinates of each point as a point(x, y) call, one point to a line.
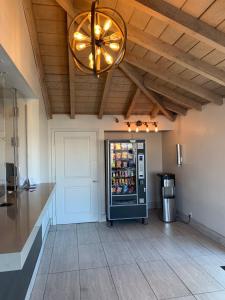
point(167, 193)
point(125, 180)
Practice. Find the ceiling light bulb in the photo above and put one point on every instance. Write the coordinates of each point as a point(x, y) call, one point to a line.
point(137, 129)
point(80, 46)
point(129, 129)
point(147, 129)
point(115, 36)
point(98, 51)
point(107, 25)
point(90, 57)
point(98, 31)
point(156, 128)
point(91, 64)
point(114, 46)
point(108, 58)
point(79, 36)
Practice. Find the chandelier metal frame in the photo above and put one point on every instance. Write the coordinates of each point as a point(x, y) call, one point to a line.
point(100, 42)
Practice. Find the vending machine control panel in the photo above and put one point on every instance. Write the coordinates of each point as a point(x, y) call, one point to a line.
point(141, 166)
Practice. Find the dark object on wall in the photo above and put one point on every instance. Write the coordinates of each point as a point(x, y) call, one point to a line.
point(11, 176)
point(179, 152)
point(167, 193)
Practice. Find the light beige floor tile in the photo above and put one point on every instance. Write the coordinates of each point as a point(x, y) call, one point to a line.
point(143, 251)
point(168, 248)
point(212, 264)
point(163, 280)
point(45, 261)
point(91, 256)
point(87, 226)
point(184, 298)
point(63, 286)
point(131, 231)
point(62, 227)
point(97, 284)
point(193, 276)
point(50, 239)
point(65, 252)
point(88, 236)
point(130, 283)
point(108, 234)
point(39, 287)
point(191, 246)
point(117, 253)
point(211, 296)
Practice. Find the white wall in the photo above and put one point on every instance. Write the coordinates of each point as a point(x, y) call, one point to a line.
point(18, 62)
point(15, 40)
point(92, 123)
point(154, 159)
point(200, 181)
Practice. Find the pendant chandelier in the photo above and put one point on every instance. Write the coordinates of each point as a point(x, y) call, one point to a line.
point(97, 39)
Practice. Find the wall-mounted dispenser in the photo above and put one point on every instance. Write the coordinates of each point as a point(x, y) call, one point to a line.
point(179, 152)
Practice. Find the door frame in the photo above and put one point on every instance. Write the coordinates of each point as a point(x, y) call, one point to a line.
point(100, 163)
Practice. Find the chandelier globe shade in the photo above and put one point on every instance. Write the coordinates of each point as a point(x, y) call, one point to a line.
point(97, 39)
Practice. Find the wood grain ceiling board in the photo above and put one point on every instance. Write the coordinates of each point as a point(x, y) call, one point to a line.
point(51, 28)
point(196, 8)
point(139, 19)
point(214, 15)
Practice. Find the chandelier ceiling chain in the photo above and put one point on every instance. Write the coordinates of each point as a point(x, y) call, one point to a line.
point(97, 39)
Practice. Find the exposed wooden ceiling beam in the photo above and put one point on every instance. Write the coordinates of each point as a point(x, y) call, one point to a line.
point(68, 6)
point(71, 77)
point(172, 78)
point(174, 107)
point(175, 54)
point(132, 103)
point(154, 111)
point(172, 95)
point(130, 73)
point(105, 93)
point(27, 6)
point(182, 21)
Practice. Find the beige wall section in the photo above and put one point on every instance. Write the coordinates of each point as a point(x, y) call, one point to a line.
point(154, 159)
point(37, 143)
point(92, 123)
point(200, 181)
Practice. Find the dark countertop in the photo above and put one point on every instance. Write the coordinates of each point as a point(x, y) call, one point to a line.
point(17, 221)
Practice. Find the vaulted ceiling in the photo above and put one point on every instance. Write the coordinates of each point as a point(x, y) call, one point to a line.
point(175, 58)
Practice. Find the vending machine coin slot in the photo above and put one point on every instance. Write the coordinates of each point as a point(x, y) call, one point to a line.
point(141, 166)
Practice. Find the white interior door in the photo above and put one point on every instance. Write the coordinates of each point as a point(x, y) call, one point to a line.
point(76, 177)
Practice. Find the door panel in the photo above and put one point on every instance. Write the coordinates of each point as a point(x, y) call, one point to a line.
point(76, 176)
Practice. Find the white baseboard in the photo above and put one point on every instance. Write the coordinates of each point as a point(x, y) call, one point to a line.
point(213, 235)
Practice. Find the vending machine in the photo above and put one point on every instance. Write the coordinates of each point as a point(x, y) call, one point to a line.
point(126, 180)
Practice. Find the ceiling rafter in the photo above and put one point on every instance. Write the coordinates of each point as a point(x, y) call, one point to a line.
point(105, 93)
point(133, 76)
point(174, 107)
point(71, 77)
point(155, 111)
point(175, 54)
point(132, 103)
point(172, 95)
point(27, 6)
point(172, 78)
point(182, 21)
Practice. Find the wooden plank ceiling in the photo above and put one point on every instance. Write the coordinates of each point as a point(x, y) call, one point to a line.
point(171, 65)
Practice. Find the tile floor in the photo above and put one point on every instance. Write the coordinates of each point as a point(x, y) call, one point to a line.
point(130, 261)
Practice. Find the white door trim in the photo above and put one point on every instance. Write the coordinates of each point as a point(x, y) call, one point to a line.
point(100, 169)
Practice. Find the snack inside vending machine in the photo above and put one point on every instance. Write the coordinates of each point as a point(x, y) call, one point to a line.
point(126, 180)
